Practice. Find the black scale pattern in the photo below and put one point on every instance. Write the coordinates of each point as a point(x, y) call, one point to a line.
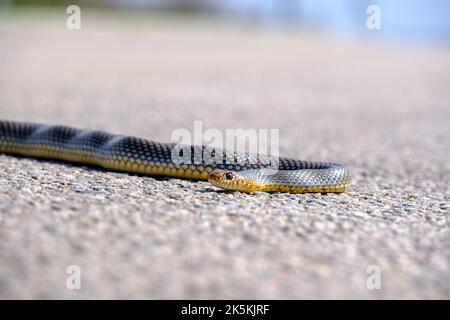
point(136, 149)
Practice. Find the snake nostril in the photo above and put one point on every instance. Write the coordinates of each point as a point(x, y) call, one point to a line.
point(215, 175)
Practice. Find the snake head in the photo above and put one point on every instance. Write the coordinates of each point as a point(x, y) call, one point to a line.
point(232, 180)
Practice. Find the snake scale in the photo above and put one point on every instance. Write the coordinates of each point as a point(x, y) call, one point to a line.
point(245, 172)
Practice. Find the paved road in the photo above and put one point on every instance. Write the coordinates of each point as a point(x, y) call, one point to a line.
point(382, 109)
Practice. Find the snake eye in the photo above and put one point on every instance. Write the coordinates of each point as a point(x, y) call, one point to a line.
point(229, 176)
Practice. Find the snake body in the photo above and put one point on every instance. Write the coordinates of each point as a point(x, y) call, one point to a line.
point(245, 172)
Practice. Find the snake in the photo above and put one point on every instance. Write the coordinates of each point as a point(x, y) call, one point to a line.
point(228, 170)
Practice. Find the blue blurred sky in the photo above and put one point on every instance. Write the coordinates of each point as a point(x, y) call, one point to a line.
point(407, 20)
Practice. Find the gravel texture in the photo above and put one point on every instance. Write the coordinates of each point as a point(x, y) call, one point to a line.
point(381, 108)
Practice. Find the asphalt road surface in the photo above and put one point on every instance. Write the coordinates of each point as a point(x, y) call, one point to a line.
point(381, 108)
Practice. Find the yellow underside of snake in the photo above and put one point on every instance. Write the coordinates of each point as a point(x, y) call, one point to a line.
point(224, 169)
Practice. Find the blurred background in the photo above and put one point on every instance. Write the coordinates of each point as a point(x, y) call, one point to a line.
point(413, 20)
